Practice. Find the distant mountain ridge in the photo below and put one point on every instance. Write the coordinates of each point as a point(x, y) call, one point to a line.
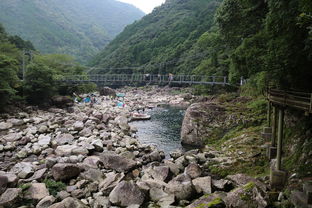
point(77, 27)
point(161, 42)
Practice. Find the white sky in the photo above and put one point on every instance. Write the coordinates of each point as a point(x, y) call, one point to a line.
point(146, 6)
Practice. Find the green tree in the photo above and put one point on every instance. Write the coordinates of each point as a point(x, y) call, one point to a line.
point(8, 80)
point(40, 85)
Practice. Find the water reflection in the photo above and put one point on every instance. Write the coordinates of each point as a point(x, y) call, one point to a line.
point(163, 129)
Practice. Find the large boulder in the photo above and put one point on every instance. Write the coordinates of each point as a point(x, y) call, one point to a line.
point(65, 171)
point(181, 186)
point(193, 170)
point(10, 197)
point(106, 91)
point(37, 191)
point(117, 162)
point(69, 202)
point(62, 101)
point(248, 195)
point(199, 122)
point(3, 183)
point(202, 185)
point(126, 193)
point(122, 122)
point(5, 125)
point(208, 201)
point(64, 139)
point(23, 169)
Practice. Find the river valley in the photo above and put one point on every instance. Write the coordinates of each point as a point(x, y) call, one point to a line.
point(92, 156)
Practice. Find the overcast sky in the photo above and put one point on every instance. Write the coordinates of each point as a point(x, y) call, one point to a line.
point(145, 5)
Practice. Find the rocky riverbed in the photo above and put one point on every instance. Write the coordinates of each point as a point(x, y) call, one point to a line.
point(89, 156)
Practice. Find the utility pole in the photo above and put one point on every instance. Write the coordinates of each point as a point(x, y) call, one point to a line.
point(24, 68)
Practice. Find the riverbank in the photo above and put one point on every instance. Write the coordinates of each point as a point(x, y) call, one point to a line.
point(90, 157)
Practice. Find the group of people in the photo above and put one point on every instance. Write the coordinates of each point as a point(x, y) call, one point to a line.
point(88, 99)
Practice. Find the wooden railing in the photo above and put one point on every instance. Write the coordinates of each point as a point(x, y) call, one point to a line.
point(293, 99)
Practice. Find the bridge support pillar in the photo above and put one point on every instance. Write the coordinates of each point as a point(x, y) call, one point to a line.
point(280, 138)
point(277, 176)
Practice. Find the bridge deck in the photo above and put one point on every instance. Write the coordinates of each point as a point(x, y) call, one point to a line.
point(148, 79)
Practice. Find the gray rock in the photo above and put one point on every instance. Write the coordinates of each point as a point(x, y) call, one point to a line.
point(248, 195)
point(110, 182)
point(181, 186)
point(44, 140)
point(62, 195)
point(106, 91)
point(65, 171)
point(80, 151)
point(46, 202)
point(221, 184)
point(5, 125)
point(174, 168)
point(86, 132)
point(242, 179)
point(12, 137)
point(64, 139)
point(3, 183)
point(37, 191)
point(43, 129)
point(78, 125)
point(65, 150)
point(23, 169)
point(193, 131)
point(126, 194)
point(12, 178)
point(211, 201)
point(117, 162)
point(101, 201)
point(122, 123)
point(193, 170)
point(98, 145)
point(93, 175)
point(92, 161)
point(160, 173)
point(15, 122)
point(37, 175)
point(202, 185)
point(10, 197)
point(69, 202)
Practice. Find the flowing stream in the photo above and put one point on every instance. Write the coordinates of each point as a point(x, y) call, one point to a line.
point(163, 129)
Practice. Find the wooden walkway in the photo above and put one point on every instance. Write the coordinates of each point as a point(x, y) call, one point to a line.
point(292, 99)
point(125, 79)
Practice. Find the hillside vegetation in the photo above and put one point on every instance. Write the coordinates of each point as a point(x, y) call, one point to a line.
point(267, 42)
point(76, 27)
point(39, 83)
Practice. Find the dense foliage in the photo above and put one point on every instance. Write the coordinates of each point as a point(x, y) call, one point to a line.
point(266, 42)
point(162, 39)
point(76, 27)
point(40, 80)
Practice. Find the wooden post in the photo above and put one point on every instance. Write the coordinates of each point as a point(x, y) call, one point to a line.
point(269, 114)
point(280, 138)
point(274, 126)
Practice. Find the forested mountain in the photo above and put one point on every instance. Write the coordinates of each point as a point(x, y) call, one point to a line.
point(166, 34)
point(267, 42)
point(75, 27)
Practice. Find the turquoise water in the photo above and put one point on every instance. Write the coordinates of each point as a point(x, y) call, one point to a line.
point(163, 129)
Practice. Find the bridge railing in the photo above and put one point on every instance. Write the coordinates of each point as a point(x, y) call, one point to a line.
point(147, 78)
point(294, 99)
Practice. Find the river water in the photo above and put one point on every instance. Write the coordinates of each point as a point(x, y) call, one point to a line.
point(163, 129)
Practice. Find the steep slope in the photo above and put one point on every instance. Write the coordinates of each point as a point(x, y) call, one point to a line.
point(160, 40)
point(75, 27)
